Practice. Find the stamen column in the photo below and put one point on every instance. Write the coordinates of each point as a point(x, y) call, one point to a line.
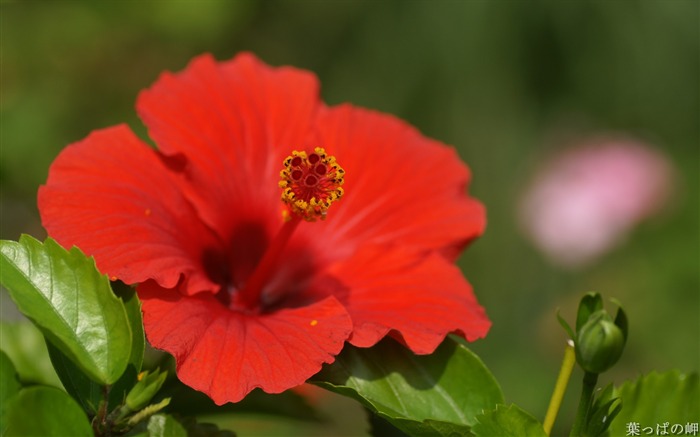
point(310, 183)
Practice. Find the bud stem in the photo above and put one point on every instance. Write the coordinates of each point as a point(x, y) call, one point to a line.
point(589, 382)
point(567, 366)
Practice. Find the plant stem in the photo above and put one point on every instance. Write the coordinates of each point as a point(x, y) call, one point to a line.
point(567, 366)
point(589, 382)
point(99, 422)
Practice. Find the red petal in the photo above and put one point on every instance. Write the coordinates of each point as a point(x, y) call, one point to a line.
point(235, 122)
point(112, 196)
point(226, 354)
point(399, 186)
point(418, 299)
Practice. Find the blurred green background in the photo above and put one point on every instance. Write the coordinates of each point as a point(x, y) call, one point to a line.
point(506, 82)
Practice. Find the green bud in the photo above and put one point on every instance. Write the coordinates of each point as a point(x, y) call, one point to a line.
point(147, 386)
point(599, 343)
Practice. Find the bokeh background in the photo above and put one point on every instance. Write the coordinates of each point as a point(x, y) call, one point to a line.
point(508, 83)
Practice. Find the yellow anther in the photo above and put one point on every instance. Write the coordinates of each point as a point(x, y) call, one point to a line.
point(311, 183)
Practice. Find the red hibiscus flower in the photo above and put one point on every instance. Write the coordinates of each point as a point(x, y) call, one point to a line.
point(255, 278)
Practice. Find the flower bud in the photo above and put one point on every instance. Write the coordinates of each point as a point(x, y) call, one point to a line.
point(599, 343)
point(144, 390)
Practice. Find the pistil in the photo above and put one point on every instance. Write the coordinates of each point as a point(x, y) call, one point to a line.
point(310, 183)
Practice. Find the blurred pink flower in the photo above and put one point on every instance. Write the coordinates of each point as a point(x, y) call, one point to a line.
point(585, 200)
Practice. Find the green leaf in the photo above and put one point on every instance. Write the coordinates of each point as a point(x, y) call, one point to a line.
point(590, 303)
point(83, 389)
point(566, 326)
point(657, 398)
point(506, 421)
point(162, 425)
point(9, 384)
point(604, 409)
point(71, 302)
point(26, 347)
point(601, 416)
point(432, 428)
point(187, 401)
point(437, 394)
point(132, 306)
point(9, 387)
point(622, 322)
point(45, 411)
point(148, 412)
point(88, 392)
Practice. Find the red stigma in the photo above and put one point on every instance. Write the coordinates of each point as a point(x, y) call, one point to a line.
point(311, 183)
